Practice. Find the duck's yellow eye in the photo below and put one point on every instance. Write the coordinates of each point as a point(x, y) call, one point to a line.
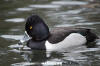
point(30, 27)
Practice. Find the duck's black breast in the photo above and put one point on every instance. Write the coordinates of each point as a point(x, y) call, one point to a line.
point(37, 45)
point(58, 34)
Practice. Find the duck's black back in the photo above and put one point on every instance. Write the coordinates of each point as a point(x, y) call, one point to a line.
point(60, 33)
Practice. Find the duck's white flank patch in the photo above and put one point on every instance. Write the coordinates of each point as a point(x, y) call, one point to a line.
point(74, 39)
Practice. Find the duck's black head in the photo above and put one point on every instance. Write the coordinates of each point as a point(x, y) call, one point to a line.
point(36, 28)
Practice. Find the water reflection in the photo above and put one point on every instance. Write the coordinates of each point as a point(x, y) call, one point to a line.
point(15, 20)
point(15, 37)
point(69, 2)
point(24, 9)
point(41, 58)
point(78, 58)
point(45, 6)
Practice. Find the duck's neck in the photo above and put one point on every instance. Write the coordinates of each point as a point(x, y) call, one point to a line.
point(38, 45)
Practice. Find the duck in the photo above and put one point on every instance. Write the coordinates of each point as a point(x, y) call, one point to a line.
point(57, 38)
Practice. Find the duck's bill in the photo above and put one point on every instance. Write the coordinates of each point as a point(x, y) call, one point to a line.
point(25, 38)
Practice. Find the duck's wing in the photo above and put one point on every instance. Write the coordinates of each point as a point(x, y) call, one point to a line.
point(60, 33)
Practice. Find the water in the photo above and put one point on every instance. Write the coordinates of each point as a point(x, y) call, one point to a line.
point(56, 13)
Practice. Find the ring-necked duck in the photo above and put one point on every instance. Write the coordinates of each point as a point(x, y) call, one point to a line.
point(57, 38)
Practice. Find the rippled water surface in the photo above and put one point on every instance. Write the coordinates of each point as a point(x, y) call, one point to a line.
point(56, 13)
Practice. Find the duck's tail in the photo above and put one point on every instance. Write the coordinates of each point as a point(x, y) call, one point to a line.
point(90, 36)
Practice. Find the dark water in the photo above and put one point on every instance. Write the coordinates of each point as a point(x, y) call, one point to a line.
point(56, 13)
